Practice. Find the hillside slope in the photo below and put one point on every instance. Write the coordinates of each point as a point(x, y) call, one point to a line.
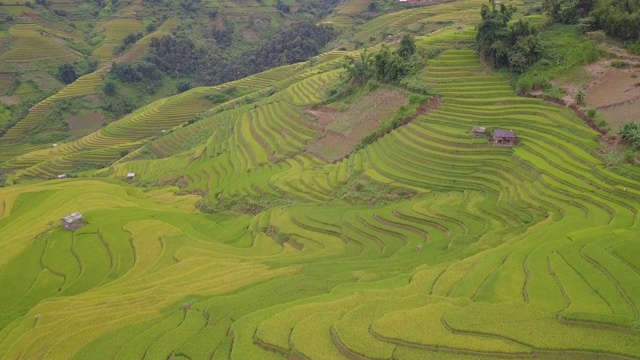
point(428, 243)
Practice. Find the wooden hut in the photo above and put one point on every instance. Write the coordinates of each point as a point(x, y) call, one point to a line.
point(72, 221)
point(130, 176)
point(62, 176)
point(504, 137)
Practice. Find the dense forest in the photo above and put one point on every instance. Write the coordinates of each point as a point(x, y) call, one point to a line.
point(619, 19)
point(181, 59)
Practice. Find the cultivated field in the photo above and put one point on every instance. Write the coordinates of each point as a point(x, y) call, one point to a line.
point(236, 241)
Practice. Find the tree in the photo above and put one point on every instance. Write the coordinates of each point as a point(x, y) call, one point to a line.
point(516, 46)
point(109, 88)
point(372, 7)
point(67, 73)
point(390, 67)
point(407, 46)
point(358, 70)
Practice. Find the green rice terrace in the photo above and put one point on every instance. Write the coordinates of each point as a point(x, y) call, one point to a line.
point(247, 220)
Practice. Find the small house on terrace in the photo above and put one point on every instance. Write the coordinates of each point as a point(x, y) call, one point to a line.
point(72, 221)
point(479, 131)
point(504, 137)
point(130, 176)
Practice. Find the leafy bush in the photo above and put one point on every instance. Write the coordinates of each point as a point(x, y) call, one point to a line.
point(630, 132)
point(67, 73)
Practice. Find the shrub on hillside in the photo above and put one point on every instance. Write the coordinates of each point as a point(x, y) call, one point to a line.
point(67, 73)
point(630, 132)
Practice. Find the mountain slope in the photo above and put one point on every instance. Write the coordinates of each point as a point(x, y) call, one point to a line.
point(234, 240)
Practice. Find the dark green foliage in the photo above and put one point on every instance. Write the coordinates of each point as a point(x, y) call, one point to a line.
point(359, 70)
point(568, 11)
point(109, 88)
point(386, 66)
point(224, 37)
point(190, 5)
point(618, 18)
point(67, 73)
point(183, 86)
point(282, 7)
point(372, 7)
point(516, 46)
point(118, 106)
point(317, 8)
point(129, 40)
point(630, 132)
point(136, 73)
point(407, 47)
point(390, 67)
point(179, 57)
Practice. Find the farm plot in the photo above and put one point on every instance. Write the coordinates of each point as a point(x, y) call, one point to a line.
point(426, 244)
point(34, 43)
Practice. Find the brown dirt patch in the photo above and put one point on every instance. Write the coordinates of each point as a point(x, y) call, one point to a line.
point(333, 146)
point(10, 100)
point(343, 130)
point(85, 122)
point(367, 114)
point(616, 95)
point(5, 81)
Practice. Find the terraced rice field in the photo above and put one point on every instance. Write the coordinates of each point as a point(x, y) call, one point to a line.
point(35, 43)
point(114, 32)
point(526, 252)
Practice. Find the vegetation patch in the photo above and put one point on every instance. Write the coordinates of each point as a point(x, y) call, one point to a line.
point(363, 190)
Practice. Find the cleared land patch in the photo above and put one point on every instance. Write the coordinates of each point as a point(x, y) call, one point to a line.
point(343, 130)
point(616, 95)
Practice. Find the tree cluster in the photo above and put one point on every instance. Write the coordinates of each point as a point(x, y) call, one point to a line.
point(67, 73)
point(514, 46)
point(179, 57)
point(128, 40)
point(618, 18)
point(136, 73)
point(385, 66)
point(317, 8)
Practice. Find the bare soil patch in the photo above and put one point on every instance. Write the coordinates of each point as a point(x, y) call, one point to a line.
point(85, 122)
point(367, 114)
point(334, 145)
point(5, 80)
point(10, 100)
point(616, 95)
point(343, 130)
